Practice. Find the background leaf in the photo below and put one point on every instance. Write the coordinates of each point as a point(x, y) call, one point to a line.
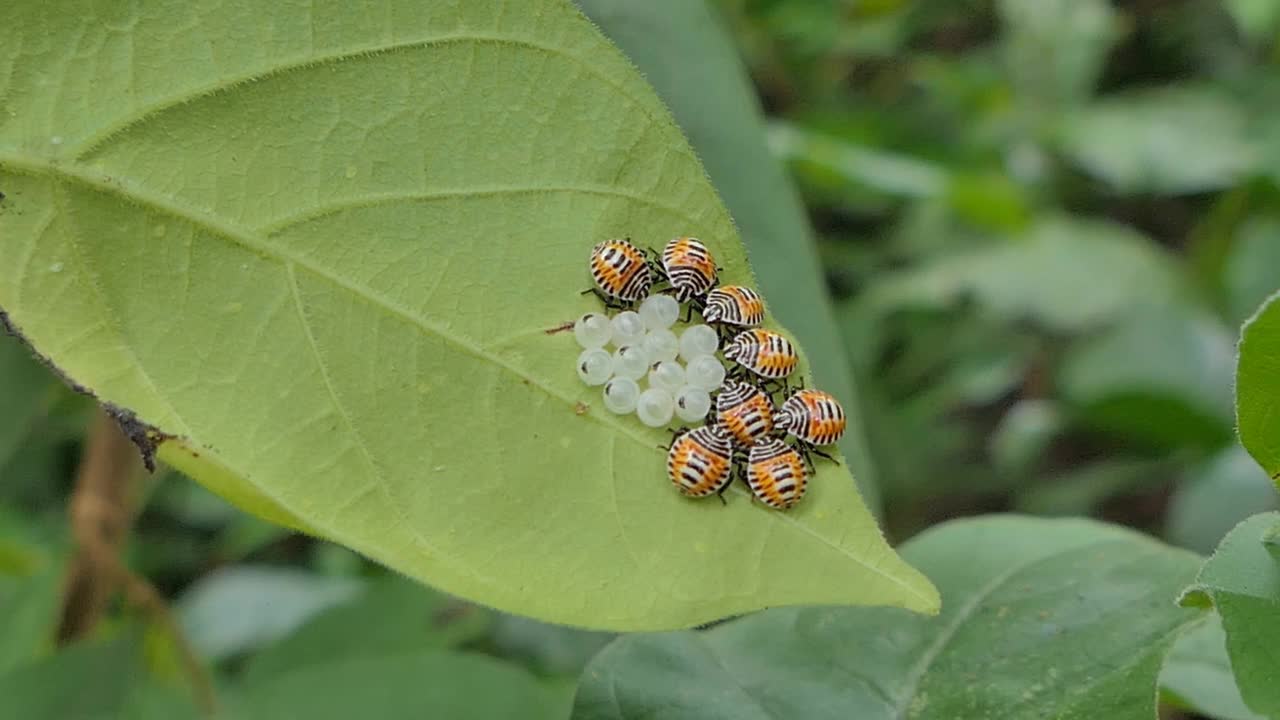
point(1258, 387)
point(343, 320)
point(681, 48)
point(1197, 674)
point(404, 686)
point(389, 616)
point(1070, 618)
point(1251, 271)
point(1216, 496)
point(242, 608)
point(1242, 581)
point(1116, 383)
point(1168, 140)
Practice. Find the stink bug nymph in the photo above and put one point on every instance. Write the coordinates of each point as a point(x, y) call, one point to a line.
point(776, 473)
point(763, 352)
point(700, 461)
point(744, 411)
point(734, 305)
point(812, 417)
point(689, 268)
point(620, 271)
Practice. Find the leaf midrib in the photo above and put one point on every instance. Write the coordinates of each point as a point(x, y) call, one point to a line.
point(130, 192)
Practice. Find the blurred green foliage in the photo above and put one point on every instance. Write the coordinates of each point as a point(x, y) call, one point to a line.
point(1042, 223)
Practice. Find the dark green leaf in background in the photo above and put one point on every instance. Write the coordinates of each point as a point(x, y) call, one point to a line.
point(391, 615)
point(1065, 274)
point(1041, 618)
point(1170, 140)
point(1055, 49)
point(1215, 496)
point(410, 686)
point(1162, 374)
point(1197, 674)
point(1242, 581)
point(1252, 268)
point(238, 609)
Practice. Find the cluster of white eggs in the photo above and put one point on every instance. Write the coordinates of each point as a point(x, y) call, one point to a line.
point(647, 350)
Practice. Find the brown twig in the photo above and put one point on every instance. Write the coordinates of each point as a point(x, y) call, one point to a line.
point(101, 513)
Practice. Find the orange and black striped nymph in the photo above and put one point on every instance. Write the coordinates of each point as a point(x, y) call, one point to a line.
point(744, 411)
point(812, 417)
point(689, 268)
point(700, 461)
point(776, 473)
point(620, 270)
point(734, 305)
point(763, 352)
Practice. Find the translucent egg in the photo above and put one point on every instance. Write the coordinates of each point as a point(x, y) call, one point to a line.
point(621, 395)
point(593, 330)
point(595, 366)
point(631, 362)
point(628, 329)
point(655, 407)
point(661, 344)
point(698, 340)
point(692, 404)
point(705, 373)
point(659, 311)
point(667, 375)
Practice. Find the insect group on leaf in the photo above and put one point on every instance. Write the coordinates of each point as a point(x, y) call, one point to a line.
point(748, 436)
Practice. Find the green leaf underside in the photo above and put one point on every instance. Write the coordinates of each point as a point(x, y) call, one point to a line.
point(1258, 387)
point(321, 249)
point(1061, 618)
point(1242, 580)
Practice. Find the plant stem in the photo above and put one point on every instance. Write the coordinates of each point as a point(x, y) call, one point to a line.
point(102, 510)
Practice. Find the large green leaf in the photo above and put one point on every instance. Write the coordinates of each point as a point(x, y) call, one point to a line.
point(316, 249)
point(682, 49)
point(1258, 387)
point(1041, 618)
point(1242, 580)
point(407, 686)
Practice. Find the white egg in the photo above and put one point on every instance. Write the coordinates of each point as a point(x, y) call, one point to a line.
point(631, 362)
point(595, 366)
point(628, 329)
point(621, 395)
point(659, 311)
point(698, 340)
point(593, 330)
point(692, 404)
point(655, 407)
point(667, 375)
point(705, 372)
